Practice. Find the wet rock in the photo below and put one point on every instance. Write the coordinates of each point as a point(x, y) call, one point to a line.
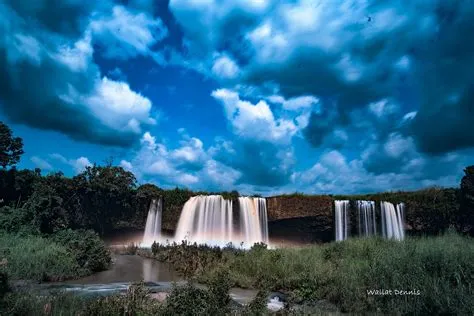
point(275, 304)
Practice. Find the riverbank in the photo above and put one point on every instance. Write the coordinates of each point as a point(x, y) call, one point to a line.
point(426, 275)
point(430, 275)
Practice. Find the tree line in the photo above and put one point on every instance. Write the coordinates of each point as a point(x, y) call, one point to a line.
point(104, 198)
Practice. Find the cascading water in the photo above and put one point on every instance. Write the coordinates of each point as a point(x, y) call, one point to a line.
point(366, 218)
point(342, 219)
point(392, 220)
point(253, 220)
point(153, 222)
point(205, 218)
point(210, 220)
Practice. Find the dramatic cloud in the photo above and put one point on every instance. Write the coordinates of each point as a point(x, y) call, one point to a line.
point(254, 121)
point(48, 78)
point(189, 164)
point(123, 34)
point(410, 57)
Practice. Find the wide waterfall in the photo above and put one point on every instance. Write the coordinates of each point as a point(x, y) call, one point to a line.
point(342, 219)
point(366, 218)
point(210, 220)
point(153, 222)
point(392, 220)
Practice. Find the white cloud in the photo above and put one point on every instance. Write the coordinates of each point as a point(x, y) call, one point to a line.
point(225, 68)
point(189, 164)
point(119, 107)
point(78, 164)
point(78, 57)
point(383, 108)
point(296, 103)
point(254, 121)
point(409, 116)
point(397, 145)
point(126, 165)
point(41, 163)
point(126, 34)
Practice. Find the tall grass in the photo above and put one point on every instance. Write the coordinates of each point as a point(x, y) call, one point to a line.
point(36, 258)
point(436, 273)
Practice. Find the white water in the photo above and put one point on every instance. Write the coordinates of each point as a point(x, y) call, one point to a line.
point(210, 220)
point(392, 220)
point(342, 219)
point(366, 218)
point(253, 220)
point(153, 222)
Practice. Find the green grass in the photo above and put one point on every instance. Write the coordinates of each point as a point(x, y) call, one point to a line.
point(36, 258)
point(440, 268)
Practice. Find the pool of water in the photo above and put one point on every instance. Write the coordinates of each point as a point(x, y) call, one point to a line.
point(130, 268)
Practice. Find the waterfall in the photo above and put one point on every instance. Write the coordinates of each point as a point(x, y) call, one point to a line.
point(342, 219)
point(366, 218)
point(210, 220)
point(253, 219)
point(153, 222)
point(392, 220)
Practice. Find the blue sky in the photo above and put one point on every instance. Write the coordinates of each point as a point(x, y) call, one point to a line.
point(259, 96)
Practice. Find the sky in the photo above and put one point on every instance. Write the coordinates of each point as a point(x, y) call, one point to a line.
point(260, 96)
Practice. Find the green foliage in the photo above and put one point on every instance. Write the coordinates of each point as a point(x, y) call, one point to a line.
point(88, 249)
point(188, 259)
point(4, 288)
point(37, 258)
point(441, 268)
point(16, 186)
point(135, 302)
point(182, 300)
point(188, 300)
point(258, 306)
point(467, 199)
point(106, 194)
point(11, 148)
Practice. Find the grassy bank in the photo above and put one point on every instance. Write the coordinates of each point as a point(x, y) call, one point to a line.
point(65, 255)
point(36, 258)
point(436, 272)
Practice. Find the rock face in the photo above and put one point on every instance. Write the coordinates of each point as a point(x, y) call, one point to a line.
point(311, 229)
point(309, 218)
point(294, 206)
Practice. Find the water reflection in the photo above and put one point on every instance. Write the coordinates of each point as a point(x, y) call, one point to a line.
point(132, 269)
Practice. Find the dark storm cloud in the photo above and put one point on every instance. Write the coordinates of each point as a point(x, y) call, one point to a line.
point(47, 73)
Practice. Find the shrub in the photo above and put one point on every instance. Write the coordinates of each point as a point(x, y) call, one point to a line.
point(37, 258)
point(88, 249)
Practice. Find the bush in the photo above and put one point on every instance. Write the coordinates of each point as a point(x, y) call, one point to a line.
point(37, 258)
point(88, 249)
point(135, 302)
point(440, 268)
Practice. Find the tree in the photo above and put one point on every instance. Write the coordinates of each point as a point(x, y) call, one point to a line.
point(11, 148)
point(106, 194)
point(467, 198)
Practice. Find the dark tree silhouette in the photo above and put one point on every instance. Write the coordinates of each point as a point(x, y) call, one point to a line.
point(467, 197)
point(11, 148)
